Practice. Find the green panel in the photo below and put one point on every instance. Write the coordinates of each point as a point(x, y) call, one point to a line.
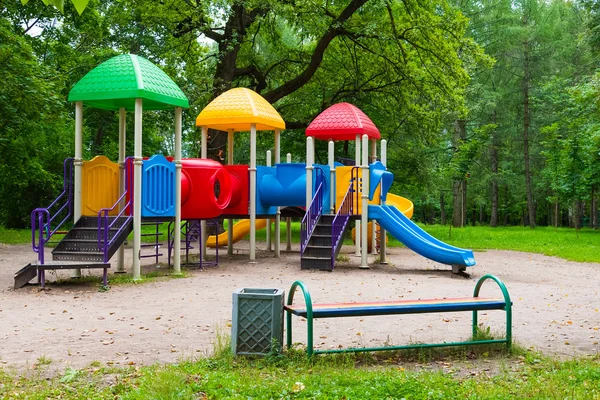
point(119, 81)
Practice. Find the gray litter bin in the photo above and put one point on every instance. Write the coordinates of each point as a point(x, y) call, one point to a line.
point(257, 321)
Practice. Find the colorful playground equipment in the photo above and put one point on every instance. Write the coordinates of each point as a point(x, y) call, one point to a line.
point(106, 201)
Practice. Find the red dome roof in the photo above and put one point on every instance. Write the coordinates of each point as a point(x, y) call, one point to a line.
point(342, 121)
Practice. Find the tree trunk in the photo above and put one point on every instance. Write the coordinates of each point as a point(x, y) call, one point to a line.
point(594, 209)
point(494, 157)
point(442, 209)
point(459, 187)
point(526, 126)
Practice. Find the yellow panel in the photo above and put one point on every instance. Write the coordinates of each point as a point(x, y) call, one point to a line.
point(100, 186)
point(237, 109)
point(342, 181)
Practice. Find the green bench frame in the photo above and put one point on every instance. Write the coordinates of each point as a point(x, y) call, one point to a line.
point(313, 311)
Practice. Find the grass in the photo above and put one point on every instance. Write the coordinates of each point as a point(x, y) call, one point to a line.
point(294, 376)
point(566, 243)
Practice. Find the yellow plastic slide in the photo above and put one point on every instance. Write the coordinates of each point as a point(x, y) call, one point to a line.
point(240, 230)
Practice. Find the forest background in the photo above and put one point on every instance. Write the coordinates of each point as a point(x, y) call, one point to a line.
point(490, 107)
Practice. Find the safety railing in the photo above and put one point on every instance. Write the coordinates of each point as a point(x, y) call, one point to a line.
point(42, 218)
point(313, 212)
point(104, 226)
point(338, 225)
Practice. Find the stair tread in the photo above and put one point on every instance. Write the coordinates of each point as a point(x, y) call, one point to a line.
point(77, 252)
point(316, 246)
point(316, 258)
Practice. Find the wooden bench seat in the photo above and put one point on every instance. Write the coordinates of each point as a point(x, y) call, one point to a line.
point(311, 311)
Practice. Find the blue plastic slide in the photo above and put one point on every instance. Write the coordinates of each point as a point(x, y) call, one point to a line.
point(416, 239)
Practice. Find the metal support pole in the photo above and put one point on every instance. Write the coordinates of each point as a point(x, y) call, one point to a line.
point(373, 222)
point(268, 219)
point(230, 220)
point(288, 246)
point(137, 191)
point(278, 214)
point(331, 154)
point(252, 170)
point(365, 201)
point(383, 246)
point(78, 163)
point(203, 154)
point(310, 154)
point(122, 183)
point(357, 229)
point(177, 160)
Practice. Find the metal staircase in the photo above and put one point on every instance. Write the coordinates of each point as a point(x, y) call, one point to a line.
point(323, 237)
point(82, 242)
point(320, 252)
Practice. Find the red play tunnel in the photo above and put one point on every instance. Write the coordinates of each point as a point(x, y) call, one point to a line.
point(205, 189)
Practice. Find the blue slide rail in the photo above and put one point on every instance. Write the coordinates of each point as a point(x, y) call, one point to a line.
point(416, 239)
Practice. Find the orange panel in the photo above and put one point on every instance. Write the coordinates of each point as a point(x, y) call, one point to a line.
point(100, 186)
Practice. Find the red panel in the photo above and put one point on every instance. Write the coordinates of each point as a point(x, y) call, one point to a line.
point(342, 121)
point(240, 190)
point(201, 176)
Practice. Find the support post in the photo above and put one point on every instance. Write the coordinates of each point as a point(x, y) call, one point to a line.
point(177, 230)
point(252, 170)
point(365, 201)
point(373, 222)
point(288, 246)
point(137, 191)
point(230, 220)
point(357, 229)
point(78, 173)
point(278, 214)
point(122, 183)
point(268, 219)
point(331, 154)
point(309, 170)
point(383, 245)
point(203, 154)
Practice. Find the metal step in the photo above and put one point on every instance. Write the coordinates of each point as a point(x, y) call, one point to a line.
point(30, 271)
point(317, 251)
point(320, 263)
point(322, 230)
point(320, 240)
point(89, 256)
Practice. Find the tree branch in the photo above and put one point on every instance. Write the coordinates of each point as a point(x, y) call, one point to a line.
point(317, 57)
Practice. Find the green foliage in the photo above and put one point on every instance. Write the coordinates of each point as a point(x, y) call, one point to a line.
point(80, 5)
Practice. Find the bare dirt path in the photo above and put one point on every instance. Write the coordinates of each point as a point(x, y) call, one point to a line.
point(556, 307)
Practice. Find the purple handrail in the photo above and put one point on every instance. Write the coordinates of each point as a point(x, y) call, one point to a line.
point(338, 225)
point(41, 219)
point(104, 227)
point(313, 212)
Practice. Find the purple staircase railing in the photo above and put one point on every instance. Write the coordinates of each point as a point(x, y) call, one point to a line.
point(338, 225)
point(103, 222)
point(313, 212)
point(42, 219)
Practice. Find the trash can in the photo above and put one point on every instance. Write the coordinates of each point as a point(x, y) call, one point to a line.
point(257, 321)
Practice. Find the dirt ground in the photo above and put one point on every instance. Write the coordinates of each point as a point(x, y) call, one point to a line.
point(556, 307)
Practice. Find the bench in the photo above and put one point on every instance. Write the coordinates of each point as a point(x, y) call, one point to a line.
point(312, 311)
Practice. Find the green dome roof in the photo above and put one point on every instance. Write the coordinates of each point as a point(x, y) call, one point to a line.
point(119, 81)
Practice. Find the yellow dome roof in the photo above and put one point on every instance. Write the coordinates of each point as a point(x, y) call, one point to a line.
point(239, 108)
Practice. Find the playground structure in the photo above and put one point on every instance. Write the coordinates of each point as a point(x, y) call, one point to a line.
point(103, 198)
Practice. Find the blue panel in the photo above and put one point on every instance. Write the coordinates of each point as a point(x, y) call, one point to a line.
point(158, 187)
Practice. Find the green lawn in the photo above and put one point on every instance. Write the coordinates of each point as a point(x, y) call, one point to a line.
point(566, 243)
point(325, 377)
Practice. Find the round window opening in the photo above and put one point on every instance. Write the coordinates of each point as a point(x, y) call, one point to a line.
point(217, 189)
